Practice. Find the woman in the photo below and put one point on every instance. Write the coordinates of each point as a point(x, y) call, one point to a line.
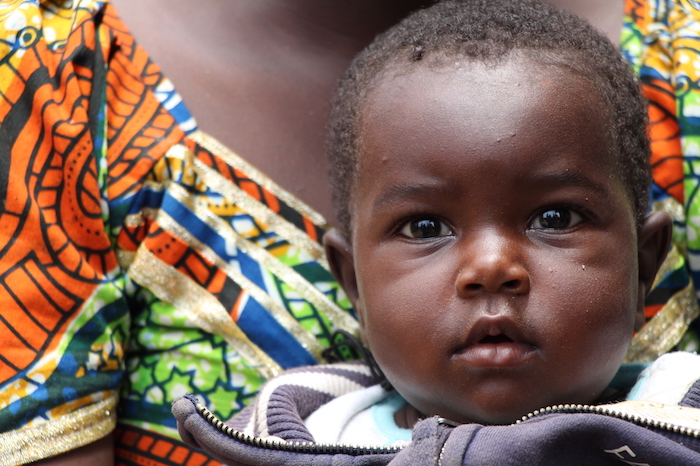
point(257, 76)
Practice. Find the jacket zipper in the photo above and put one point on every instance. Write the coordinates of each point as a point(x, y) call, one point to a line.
point(609, 410)
point(358, 450)
point(295, 447)
point(605, 410)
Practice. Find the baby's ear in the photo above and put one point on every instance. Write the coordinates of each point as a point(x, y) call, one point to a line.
point(653, 242)
point(342, 262)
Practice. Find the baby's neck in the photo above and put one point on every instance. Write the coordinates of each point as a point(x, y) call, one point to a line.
point(407, 417)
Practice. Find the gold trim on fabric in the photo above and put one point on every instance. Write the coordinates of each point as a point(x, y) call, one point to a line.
point(666, 328)
point(260, 211)
point(200, 306)
point(659, 413)
point(125, 258)
point(233, 159)
point(286, 273)
point(303, 336)
point(75, 429)
point(136, 220)
point(671, 206)
point(671, 263)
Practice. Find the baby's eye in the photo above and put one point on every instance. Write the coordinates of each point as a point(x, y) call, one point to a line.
point(426, 227)
point(556, 219)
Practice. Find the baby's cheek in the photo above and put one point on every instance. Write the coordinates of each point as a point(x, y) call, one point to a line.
point(605, 275)
point(604, 309)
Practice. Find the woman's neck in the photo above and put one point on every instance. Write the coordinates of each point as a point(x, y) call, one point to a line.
point(356, 21)
point(258, 74)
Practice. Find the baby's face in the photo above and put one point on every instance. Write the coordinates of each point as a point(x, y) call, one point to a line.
point(494, 244)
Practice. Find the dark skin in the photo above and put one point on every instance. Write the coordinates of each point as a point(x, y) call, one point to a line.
point(273, 112)
point(496, 266)
point(259, 74)
point(96, 453)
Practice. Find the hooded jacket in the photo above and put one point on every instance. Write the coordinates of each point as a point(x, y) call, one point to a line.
point(272, 430)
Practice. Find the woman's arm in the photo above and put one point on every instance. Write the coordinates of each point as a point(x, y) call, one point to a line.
point(97, 453)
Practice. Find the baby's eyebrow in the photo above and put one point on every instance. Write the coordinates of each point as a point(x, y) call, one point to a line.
point(570, 178)
point(411, 191)
point(406, 191)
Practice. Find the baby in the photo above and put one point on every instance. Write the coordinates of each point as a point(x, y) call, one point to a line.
point(490, 174)
point(490, 178)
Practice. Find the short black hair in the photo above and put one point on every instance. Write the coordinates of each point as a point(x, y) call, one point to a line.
point(487, 31)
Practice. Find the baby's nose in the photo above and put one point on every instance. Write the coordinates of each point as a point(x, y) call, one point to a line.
point(492, 264)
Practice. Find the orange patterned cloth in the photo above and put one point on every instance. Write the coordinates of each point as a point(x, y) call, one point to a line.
point(661, 39)
point(139, 259)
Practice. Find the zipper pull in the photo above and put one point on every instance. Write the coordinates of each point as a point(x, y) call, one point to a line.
point(447, 422)
point(444, 435)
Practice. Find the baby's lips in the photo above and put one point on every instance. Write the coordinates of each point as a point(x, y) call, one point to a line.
point(497, 355)
point(495, 326)
point(495, 342)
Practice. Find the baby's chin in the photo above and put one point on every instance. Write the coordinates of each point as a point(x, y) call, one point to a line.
point(409, 415)
point(492, 415)
point(487, 418)
point(494, 401)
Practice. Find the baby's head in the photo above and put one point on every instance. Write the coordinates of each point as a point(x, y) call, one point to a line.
point(490, 167)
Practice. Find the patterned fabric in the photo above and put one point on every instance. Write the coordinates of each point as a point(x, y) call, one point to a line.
point(135, 251)
point(661, 39)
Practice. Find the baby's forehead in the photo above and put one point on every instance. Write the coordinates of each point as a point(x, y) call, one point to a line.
point(501, 122)
point(471, 100)
point(559, 44)
point(481, 81)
